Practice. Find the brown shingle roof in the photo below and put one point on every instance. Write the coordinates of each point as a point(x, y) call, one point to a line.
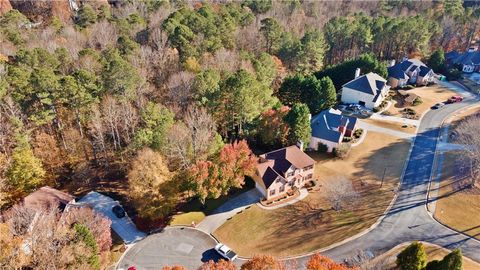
point(47, 198)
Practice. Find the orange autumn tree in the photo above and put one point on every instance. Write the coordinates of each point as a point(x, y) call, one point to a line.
point(175, 267)
point(213, 178)
point(263, 262)
point(319, 262)
point(220, 265)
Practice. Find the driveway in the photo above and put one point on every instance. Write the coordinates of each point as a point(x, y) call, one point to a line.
point(228, 210)
point(370, 127)
point(124, 227)
point(173, 246)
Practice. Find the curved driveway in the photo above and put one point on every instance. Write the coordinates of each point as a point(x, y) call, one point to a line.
point(407, 220)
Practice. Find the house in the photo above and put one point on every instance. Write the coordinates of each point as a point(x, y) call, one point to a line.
point(48, 198)
point(329, 127)
point(368, 90)
point(282, 170)
point(411, 71)
point(469, 61)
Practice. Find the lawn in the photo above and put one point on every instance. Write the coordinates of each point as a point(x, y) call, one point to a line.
point(312, 224)
point(386, 261)
point(430, 96)
point(453, 197)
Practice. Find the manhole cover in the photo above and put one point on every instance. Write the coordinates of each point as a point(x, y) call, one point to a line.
point(184, 248)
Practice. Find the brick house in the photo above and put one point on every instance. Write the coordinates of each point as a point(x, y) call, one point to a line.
point(279, 171)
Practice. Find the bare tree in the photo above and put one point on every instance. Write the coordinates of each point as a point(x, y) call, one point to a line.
point(97, 132)
point(103, 34)
point(180, 85)
point(340, 192)
point(111, 112)
point(466, 133)
point(178, 148)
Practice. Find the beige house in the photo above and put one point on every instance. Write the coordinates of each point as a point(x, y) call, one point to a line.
point(367, 90)
point(411, 71)
point(281, 170)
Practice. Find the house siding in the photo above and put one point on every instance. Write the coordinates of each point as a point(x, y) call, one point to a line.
point(354, 96)
point(314, 141)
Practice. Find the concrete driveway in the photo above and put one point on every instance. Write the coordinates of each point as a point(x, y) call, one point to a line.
point(124, 227)
point(173, 246)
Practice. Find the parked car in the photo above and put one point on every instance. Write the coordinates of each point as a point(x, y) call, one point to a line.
point(118, 211)
point(226, 252)
point(438, 106)
point(455, 99)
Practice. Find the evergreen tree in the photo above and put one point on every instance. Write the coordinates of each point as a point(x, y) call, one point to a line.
point(272, 31)
point(437, 60)
point(412, 257)
point(298, 119)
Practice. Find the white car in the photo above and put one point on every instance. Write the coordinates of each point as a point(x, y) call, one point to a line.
point(226, 252)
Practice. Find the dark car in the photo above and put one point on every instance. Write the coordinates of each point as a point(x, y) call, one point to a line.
point(438, 106)
point(118, 211)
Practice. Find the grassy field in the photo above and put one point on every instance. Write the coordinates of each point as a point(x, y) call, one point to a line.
point(386, 261)
point(285, 231)
point(430, 96)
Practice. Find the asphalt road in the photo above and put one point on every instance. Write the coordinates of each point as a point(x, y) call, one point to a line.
point(407, 220)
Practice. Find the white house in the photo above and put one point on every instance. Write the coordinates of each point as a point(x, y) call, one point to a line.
point(368, 90)
point(411, 71)
point(329, 127)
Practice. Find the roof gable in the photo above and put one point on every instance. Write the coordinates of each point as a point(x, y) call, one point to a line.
point(368, 83)
point(325, 125)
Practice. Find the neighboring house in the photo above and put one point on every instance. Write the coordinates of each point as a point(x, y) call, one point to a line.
point(279, 171)
point(47, 198)
point(329, 127)
point(368, 90)
point(469, 61)
point(411, 71)
point(103, 204)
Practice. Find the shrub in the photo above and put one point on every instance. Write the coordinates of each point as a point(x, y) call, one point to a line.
point(347, 139)
point(408, 87)
point(342, 150)
point(417, 101)
point(322, 148)
point(412, 257)
point(358, 133)
point(376, 109)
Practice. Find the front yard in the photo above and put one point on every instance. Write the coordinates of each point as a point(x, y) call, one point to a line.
point(313, 223)
point(430, 96)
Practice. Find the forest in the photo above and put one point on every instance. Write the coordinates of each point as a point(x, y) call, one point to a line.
point(170, 100)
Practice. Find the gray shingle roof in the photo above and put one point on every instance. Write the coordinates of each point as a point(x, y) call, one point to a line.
point(325, 124)
point(368, 83)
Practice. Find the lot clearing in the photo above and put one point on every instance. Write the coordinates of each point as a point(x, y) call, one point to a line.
point(430, 96)
point(313, 223)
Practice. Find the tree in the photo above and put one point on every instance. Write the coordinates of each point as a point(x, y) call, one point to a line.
point(175, 267)
point(25, 172)
point(272, 31)
point(258, 6)
point(84, 234)
point(319, 262)
point(298, 120)
point(220, 265)
point(272, 129)
point(263, 262)
point(119, 76)
point(86, 16)
point(150, 178)
point(465, 134)
point(341, 193)
point(313, 48)
point(453, 261)
point(157, 120)
point(412, 257)
point(437, 60)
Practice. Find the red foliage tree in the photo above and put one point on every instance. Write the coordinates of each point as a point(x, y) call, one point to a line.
point(272, 129)
point(320, 262)
point(263, 262)
point(220, 265)
point(175, 267)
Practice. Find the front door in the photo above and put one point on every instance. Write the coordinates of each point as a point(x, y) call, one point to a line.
point(362, 103)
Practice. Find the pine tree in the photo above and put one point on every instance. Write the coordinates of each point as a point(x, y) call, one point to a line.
point(412, 257)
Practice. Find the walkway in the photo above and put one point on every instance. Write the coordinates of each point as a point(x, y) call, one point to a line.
point(228, 210)
point(370, 127)
point(303, 195)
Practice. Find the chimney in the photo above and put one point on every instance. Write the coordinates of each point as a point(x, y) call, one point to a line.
point(357, 73)
point(310, 117)
point(300, 145)
point(392, 63)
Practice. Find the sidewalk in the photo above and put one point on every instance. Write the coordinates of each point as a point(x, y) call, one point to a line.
point(303, 195)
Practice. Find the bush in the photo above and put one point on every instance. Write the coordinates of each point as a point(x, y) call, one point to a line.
point(453, 74)
point(376, 109)
point(322, 148)
point(417, 101)
point(347, 139)
point(358, 133)
point(342, 150)
point(412, 257)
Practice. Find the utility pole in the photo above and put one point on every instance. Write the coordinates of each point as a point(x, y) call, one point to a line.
point(383, 177)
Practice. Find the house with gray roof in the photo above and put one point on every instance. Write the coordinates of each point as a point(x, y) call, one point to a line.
point(368, 90)
point(411, 71)
point(469, 60)
point(282, 170)
point(329, 127)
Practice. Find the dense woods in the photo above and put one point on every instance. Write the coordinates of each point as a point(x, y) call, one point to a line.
point(169, 100)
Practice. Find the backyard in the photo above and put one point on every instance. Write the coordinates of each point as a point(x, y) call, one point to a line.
point(284, 231)
point(430, 95)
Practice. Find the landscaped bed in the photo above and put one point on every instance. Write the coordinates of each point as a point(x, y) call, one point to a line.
point(311, 224)
point(430, 95)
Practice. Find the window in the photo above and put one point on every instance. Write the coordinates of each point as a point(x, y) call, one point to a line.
point(272, 192)
point(290, 174)
point(309, 176)
point(282, 189)
point(308, 168)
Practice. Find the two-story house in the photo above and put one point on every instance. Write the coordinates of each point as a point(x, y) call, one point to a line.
point(368, 90)
point(281, 170)
point(329, 127)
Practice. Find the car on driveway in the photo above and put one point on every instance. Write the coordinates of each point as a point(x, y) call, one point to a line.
point(226, 252)
point(455, 99)
point(438, 106)
point(118, 211)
